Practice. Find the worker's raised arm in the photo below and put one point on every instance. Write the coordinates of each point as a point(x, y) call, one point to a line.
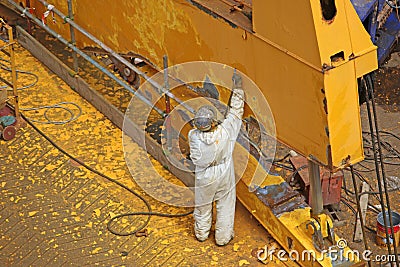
point(233, 120)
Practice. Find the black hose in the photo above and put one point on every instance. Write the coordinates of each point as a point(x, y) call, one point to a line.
point(344, 201)
point(148, 213)
point(378, 160)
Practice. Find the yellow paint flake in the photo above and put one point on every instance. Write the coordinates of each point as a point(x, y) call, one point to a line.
point(50, 167)
point(214, 258)
point(39, 195)
point(96, 250)
point(3, 184)
point(236, 247)
point(243, 262)
point(165, 242)
point(32, 213)
point(17, 199)
point(188, 250)
point(78, 205)
point(97, 212)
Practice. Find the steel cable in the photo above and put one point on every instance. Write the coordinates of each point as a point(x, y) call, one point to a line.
point(61, 105)
point(5, 67)
point(379, 163)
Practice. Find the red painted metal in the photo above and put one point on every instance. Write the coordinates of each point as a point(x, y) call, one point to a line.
point(331, 182)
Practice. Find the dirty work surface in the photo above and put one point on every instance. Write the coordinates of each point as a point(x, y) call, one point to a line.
point(54, 212)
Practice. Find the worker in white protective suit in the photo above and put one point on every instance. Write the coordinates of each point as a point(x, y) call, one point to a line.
point(211, 148)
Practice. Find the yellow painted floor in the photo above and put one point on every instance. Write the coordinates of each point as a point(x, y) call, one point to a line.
point(54, 212)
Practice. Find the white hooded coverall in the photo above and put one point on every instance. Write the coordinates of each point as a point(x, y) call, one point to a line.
point(211, 152)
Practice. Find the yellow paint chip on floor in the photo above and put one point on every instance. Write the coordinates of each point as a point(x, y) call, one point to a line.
point(32, 213)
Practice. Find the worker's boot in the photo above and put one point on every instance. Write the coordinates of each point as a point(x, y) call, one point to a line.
point(223, 242)
point(201, 239)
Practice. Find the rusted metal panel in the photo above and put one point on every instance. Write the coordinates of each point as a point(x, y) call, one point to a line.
point(281, 198)
point(331, 182)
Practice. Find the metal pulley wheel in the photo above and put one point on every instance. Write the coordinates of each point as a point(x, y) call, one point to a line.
point(127, 72)
point(131, 76)
point(8, 132)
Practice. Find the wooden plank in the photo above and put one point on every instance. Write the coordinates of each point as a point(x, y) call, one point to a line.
point(364, 206)
point(99, 102)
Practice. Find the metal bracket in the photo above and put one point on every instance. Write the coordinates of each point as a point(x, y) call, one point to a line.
point(322, 227)
point(317, 237)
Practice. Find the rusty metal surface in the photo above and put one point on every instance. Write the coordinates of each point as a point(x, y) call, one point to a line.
point(281, 198)
point(225, 9)
point(331, 182)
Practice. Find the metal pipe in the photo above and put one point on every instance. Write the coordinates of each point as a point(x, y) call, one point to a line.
point(166, 85)
point(28, 5)
point(72, 33)
point(117, 56)
point(167, 104)
point(378, 139)
point(378, 175)
point(85, 56)
point(13, 70)
point(315, 188)
point(359, 210)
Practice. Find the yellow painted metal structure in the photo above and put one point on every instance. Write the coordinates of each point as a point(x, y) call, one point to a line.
point(305, 57)
point(306, 64)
